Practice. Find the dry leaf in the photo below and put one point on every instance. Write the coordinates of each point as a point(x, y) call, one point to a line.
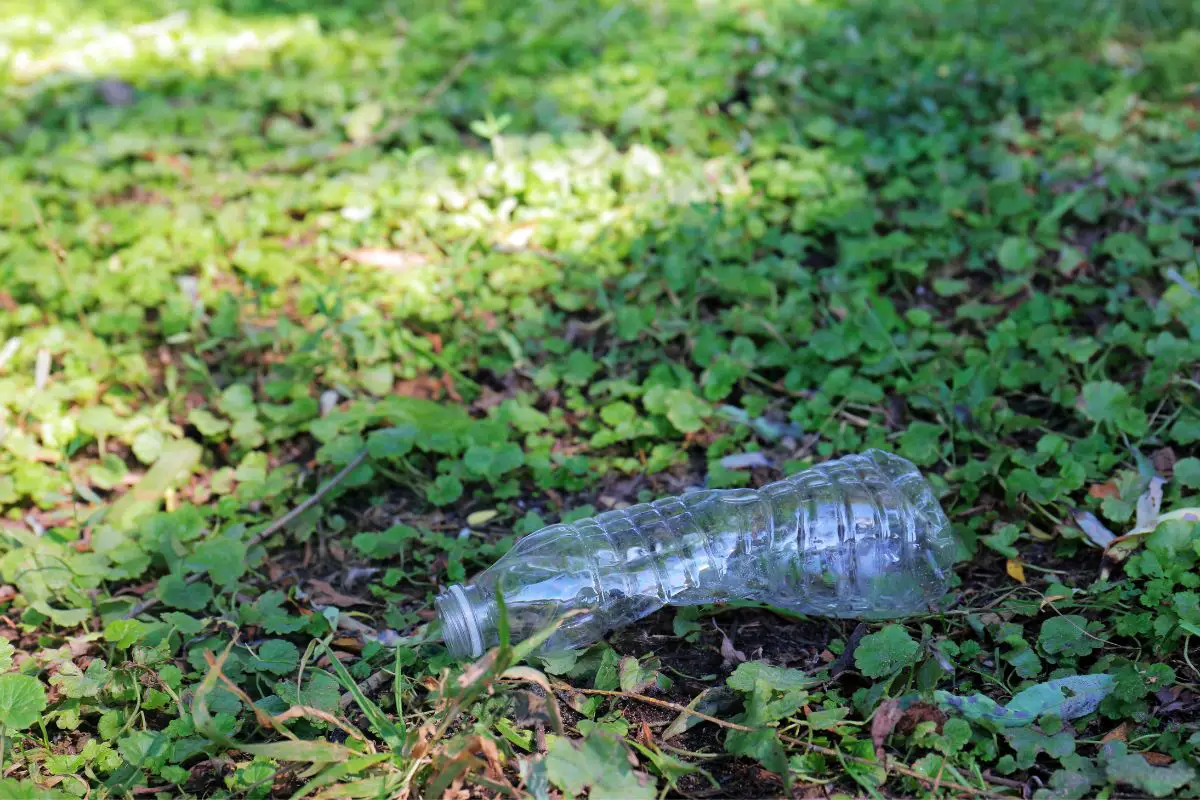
point(885, 719)
point(326, 595)
point(1015, 570)
point(1117, 734)
point(84, 543)
point(1148, 506)
point(729, 654)
point(477, 670)
point(424, 734)
point(425, 387)
point(487, 748)
point(519, 237)
point(393, 260)
point(1050, 599)
point(1093, 528)
point(1163, 460)
point(921, 712)
point(481, 517)
point(1157, 759)
point(1103, 490)
point(348, 623)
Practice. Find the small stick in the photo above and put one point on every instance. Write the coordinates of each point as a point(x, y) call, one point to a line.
point(654, 701)
point(440, 88)
point(816, 748)
point(366, 687)
point(271, 529)
point(988, 776)
point(429, 98)
point(846, 659)
point(60, 260)
point(323, 490)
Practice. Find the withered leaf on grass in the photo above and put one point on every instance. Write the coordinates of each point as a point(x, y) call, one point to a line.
point(393, 260)
point(324, 594)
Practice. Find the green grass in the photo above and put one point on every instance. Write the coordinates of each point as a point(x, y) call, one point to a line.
point(537, 260)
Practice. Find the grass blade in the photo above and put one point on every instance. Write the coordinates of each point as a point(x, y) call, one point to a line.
point(383, 727)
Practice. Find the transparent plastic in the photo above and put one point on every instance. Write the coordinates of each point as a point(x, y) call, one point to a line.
point(862, 536)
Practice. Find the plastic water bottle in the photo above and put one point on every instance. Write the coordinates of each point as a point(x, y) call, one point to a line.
point(863, 536)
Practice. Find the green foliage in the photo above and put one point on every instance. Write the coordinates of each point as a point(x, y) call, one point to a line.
point(22, 699)
point(277, 656)
point(1132, 769)
point(600, 763)
point(1187, 472)
point(748, 675)
point(1067, 635)
point(1064, 698)
point(884, 653)
point(524, 263)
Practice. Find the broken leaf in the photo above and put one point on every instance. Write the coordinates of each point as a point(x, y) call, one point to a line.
point(1093, 528)
point(1067, 698)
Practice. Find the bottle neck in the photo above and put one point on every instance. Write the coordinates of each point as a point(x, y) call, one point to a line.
point(463, 612)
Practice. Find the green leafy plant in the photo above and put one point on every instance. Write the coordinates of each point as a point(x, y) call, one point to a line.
point(308, 310)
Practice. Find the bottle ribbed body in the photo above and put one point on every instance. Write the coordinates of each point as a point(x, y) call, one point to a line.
point(862, 536)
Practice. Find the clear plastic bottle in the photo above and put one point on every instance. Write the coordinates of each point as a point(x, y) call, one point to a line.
point(862, 536)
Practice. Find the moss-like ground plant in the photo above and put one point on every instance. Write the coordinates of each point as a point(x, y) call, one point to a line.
point(308, 309)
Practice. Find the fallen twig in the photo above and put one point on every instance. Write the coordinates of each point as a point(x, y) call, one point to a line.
point(366, 687)
point(391, 129)
point(323, 490)
point(59, 254)
point(271, 529)
point(846, 659)
point(815, 748)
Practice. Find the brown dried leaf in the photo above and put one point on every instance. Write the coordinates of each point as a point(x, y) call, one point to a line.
point(885, 719)
point(1117, 734)
point(730, 655)
point(325, 594)
point(314, 713)
point(1157, 759)
point(491, 754)
point(393, 260)
point(81, 645)
point(488, 399)
point(425, 387)
point(917, 713)
point(549, 703)
point(478, 670)
point(208, 774)
point(1163, 460)
point(421, 747)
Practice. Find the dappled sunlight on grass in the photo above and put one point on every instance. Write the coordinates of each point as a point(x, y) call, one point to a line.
point(470, 270)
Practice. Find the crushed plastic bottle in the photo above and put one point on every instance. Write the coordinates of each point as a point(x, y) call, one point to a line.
point(862, 536)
